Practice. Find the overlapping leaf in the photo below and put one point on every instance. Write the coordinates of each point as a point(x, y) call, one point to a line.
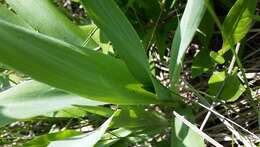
point(45, 18)
point(61, 65)
point(7, 15)
point(111, 20)
point(31, 98)
point(86, 140)
point(232, 89)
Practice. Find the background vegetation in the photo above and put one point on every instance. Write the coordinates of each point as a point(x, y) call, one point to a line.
point(129, 73)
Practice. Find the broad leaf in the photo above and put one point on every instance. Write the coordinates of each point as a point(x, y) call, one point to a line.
point(86, 140)
point(237, 23)
point(31, 98)
point(232, 89)
point(190, 21)
point(90, 74)
point(45, 18)
point(182, 135)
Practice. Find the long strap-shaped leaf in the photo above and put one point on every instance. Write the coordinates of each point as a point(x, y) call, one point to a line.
point(110, 19)
point(31, 98)
point(45, 18)
point(7, 15)
point(118, 29)
point(92, 75)
point(190, 21)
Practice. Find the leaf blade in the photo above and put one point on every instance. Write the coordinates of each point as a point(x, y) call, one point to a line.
point(24, 100)
point(47, 64)
point(107, 15)
point(87, 140)
point(237, 23)
point(45, 18)
point(190, 21)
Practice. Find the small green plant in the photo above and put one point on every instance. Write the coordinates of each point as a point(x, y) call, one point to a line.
point(100, 66)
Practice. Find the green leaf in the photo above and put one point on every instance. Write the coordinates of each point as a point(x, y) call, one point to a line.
point(45, 18)
point(217, 57)
point(137, 117)
point(257, 17)
point(237, 23)
point(30, 98)
point(201, 63)
point(44, 140)
point(232, 89)
point(90, 74)
point(102, 111)
point(72, 112)
point(111, 20)
point(190, 21)
point(7, 15)
point(113, 137)
point(86, 140)
point(162, 35)
point(100, 38)
point(182, 135)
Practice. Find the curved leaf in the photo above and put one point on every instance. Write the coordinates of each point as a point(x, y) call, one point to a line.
point(190, 21)
point(237, 23)
point(86, 140)
point(31, 98)
point(112, 21)
point(90, 74)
